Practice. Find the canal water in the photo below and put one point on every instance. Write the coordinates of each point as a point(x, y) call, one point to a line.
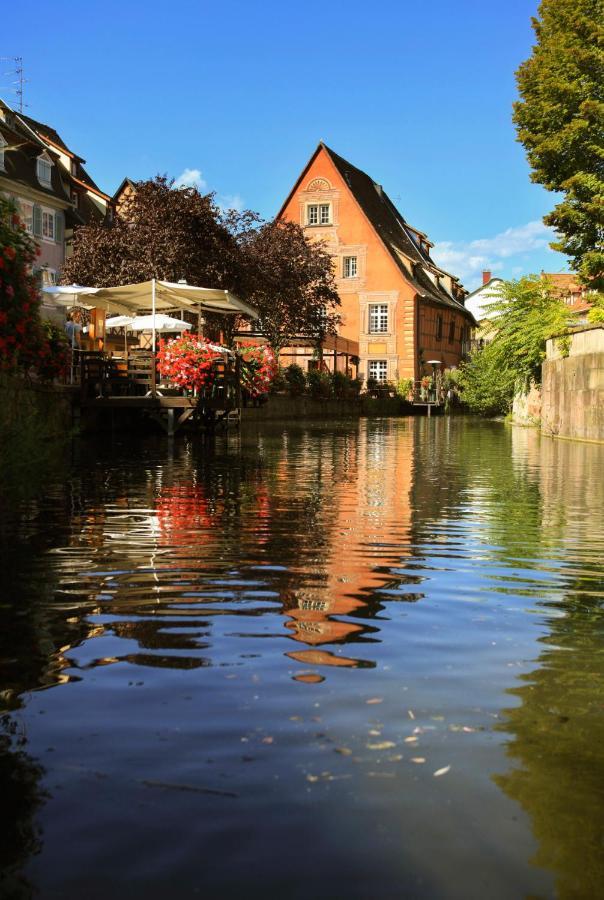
point(354, 660)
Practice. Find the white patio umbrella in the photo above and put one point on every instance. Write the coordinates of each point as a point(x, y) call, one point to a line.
point(158, 322)
point(120, 322)
point(70, 295)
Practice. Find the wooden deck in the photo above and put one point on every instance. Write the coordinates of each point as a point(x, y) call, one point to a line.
point(109, 383)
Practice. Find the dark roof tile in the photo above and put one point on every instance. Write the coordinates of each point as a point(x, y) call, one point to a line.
point(395, 233)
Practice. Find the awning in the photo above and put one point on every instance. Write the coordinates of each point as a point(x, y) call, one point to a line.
point(134, 298)
point(168, 295)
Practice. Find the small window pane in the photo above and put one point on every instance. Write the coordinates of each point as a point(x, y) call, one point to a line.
point(27, 215)
point(378, 369)
point(48, 225)
point(350, 267)
point(44, 171)
point(378, 318)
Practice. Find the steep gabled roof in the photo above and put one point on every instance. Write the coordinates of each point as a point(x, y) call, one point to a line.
point(412, 259)
point(127, 182)
point(45, 131)
point(24, 148)
point(395, 233)
point(483, 287)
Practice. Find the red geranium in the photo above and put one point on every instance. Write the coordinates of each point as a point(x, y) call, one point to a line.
point(258, 368)
point(188, 362)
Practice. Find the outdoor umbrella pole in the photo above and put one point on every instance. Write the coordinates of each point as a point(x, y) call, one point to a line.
point(153, 376)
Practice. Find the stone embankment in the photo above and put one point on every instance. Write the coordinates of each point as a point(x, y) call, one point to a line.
point(572, 390)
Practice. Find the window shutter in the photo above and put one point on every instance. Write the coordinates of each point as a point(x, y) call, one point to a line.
point(37, 220)
point(59, 227)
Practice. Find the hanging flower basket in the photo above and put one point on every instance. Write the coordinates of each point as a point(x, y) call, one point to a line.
point(258, 369)
point(188, 362)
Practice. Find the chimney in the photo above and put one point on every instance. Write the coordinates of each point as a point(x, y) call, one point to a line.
point(486, 276)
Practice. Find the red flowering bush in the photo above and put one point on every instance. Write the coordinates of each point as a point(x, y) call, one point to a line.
point(188, 362)
point(54, 352)
point(26, 343)
point(258, 369)
point(19, 297)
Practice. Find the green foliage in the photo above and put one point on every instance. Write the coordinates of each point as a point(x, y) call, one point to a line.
point(404, 388)
point(595, 315)
point(295, 380)
point(341, 385)
point(320, 386)
point(564, 343)
point(526, 313)
point(486, 388)
point(560, 122)
point(279, 383)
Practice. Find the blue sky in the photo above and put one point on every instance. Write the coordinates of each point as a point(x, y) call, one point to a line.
point(238, 94)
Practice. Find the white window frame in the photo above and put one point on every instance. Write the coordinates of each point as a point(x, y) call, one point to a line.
point(378, 370)
point(378, 315)
point(350, 267)
point(43, 168)
point(318, 214)
point(48, 218)
point(28, 222)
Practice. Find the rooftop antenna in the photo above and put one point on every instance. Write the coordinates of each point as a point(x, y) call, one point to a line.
point(16, 73)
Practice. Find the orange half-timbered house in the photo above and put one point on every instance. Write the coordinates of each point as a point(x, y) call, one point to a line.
point(401, 308)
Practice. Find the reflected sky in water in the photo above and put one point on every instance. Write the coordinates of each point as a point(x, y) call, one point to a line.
point(358, 660)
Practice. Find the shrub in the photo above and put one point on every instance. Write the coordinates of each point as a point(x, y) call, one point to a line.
point(20, 333)
point(404, 388)
point(319, 384)
point(340, 385)
point(54, 352)
point(295, 380)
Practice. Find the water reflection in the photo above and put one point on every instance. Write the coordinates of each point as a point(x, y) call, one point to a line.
point(378, 602)
point(557, 728)
point(304, 529)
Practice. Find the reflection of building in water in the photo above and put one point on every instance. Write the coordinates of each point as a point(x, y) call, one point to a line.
point(369, 531)
point(557, 727)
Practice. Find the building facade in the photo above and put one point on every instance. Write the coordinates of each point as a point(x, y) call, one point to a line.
point(404, 311)
point(50, 187)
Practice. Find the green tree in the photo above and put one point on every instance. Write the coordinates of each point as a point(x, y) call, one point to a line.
point(560, 122)
point(524, 315)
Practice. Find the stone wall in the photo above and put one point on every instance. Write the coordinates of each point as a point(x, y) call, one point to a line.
point(573, 387)
point(526, 408)
point(26, 402)
point(282, 407)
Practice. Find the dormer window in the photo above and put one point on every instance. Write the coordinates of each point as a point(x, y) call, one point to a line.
point(44, 170)
point(3, 144)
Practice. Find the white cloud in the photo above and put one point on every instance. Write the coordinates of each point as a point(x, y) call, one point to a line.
point(467, 259)
point(230, 201)
point(191, 178)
